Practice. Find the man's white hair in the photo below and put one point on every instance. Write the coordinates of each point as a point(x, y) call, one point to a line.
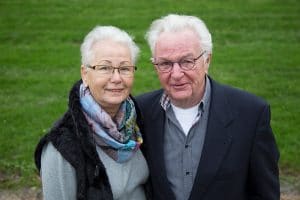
point(176, 23)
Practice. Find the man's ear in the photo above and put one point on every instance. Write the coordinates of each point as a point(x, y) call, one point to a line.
point(208, 59)
point(84, 71)
point(207, 62)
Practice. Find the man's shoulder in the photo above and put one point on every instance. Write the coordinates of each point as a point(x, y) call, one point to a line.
point(237, 95)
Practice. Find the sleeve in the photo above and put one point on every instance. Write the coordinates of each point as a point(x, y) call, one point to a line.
point(58, 176)
point(264, 173)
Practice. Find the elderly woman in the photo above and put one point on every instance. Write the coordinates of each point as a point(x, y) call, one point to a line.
point(93, 152)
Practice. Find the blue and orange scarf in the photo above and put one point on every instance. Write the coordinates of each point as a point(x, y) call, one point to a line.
point(119, 139)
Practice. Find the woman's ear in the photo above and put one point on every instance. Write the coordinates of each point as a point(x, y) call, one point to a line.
point(84, 75)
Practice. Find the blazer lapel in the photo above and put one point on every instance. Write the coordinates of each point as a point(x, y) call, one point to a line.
point(217, 141)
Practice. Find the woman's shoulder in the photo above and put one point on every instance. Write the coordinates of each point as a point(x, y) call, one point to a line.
point(54, 165)
point(52, 158)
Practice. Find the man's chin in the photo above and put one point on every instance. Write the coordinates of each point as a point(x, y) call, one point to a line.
point(180, 96)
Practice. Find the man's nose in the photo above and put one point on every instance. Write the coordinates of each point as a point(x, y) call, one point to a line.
point(176, 71)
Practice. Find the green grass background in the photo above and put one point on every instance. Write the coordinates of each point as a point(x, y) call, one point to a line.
point(256, 48)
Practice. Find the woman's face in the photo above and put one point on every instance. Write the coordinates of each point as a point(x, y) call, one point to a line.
point(110, 89)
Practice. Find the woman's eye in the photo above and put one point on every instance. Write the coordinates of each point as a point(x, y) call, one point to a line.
point(124, 69)
point(103, 68)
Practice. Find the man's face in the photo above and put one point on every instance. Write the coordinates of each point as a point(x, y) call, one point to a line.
point(185, 88)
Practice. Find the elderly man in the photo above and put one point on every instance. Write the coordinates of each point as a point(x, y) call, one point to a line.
point(203, 140)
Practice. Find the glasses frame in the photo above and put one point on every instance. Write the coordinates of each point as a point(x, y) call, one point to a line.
point(178, 62)
point(113, 69)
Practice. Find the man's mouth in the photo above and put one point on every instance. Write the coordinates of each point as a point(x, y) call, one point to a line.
point(179, 86)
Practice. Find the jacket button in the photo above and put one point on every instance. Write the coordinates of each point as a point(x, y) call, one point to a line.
point(96, 173)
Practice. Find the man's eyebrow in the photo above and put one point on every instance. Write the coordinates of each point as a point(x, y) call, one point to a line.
point(189, 55)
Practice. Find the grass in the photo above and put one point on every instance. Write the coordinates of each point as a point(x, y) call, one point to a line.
point(256, 48)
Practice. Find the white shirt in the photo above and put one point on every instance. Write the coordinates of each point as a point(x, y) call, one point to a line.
point(185, 116)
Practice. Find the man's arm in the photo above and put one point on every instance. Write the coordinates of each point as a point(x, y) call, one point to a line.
point(263, 172)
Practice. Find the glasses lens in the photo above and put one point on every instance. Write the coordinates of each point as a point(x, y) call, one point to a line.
point(165, 66)
point(187, 64)
point(109, 70)
point(126, 70)
point(104, 69)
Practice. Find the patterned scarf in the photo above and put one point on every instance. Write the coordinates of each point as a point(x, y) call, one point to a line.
point(119, 139)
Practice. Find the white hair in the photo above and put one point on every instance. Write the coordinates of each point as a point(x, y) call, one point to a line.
point(176, 23)
point(101, 33)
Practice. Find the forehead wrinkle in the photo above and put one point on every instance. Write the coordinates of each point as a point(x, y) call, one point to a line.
point(177, 51)
point(177, 45)
point(171, 55)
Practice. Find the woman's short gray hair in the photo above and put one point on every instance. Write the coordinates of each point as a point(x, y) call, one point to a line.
point(175, 23)
point(100, 33)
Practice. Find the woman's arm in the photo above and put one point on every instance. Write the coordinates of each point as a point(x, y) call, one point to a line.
point(58, 176)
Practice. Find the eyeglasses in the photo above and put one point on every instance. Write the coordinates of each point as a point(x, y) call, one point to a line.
point(107, 70)
point(184, 64)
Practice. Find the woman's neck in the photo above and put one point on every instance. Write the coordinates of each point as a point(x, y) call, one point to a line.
point(112, 111)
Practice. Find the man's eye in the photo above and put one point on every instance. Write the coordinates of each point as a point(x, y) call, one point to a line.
point(184, 62)
point(166, 64)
